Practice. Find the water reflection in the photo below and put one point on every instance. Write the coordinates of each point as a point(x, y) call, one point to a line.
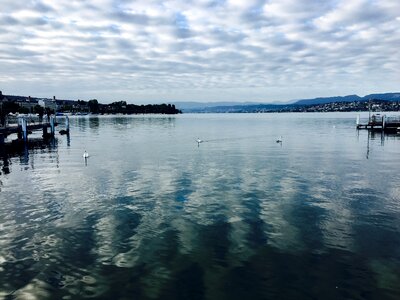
point(379, 136)
point(24, 158)
point(80, 121)
point(5, 162)
point(25, 152)
point(94, 122)
point(68, 139)
point(234, 219)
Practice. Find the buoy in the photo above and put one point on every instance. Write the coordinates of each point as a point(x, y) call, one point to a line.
point(279, 140)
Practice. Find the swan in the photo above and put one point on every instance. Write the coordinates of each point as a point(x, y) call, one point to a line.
point(85, 154)
point(279, 140)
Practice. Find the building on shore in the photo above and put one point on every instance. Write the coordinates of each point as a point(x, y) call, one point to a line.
point(29, 103)
point(48, 103)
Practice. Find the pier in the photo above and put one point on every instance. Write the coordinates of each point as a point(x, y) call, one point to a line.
point(379, 122)
point(27, 125)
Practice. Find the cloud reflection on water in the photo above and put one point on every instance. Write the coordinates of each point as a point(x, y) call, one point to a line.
point(164, 208)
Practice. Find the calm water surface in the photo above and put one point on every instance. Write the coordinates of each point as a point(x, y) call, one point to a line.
point(152, 215)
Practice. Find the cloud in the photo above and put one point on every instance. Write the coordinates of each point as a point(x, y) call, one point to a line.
point(199, 50)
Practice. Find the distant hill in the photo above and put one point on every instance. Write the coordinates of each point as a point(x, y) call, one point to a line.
point(385, 96)
point(227, 107)
point(349, 98)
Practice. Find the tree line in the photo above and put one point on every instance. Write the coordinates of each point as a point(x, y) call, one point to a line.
point(91, 106)
point(121, 107)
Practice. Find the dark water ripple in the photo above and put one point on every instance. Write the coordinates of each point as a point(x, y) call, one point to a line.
point(150, 215)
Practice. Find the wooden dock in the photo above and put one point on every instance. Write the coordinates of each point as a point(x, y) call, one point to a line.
point(16, 128)
point(23, 129)
point(380, 123)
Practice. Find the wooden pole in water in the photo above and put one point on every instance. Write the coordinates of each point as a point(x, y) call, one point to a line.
point(24, 129)
point(67, 124)
point(369, 111)
point(52, 129)
point(44, 130)
point(383, 122)
point(19, 133)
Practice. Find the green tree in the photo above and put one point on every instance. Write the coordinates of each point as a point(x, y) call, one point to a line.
point(93, 106)
point(6, 108)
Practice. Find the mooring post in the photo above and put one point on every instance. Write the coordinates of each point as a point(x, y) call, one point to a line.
point(44, 125)
point(1, 139)
point(52, 125)
point(67, 124)
point(369, 111)
point(383, 122)
point(24, 129)
point(19, 133)
point(358, 120)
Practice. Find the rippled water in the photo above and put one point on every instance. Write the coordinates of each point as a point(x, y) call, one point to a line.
point(153, 215)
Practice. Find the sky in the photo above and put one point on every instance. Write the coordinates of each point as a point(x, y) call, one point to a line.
point(205, 50)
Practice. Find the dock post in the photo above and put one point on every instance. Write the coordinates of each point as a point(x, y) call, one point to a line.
point(1, 139)
point(383, 122)
point(24, 130)
point(358, 120)
point(52, 129)
point(19, 132)
point(44, 130)
point(369, 111)
point(67, 124)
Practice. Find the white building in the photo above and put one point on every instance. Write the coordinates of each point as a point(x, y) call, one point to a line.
point(48, 103)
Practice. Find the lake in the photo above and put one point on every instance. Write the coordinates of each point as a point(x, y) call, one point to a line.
point(152, 214)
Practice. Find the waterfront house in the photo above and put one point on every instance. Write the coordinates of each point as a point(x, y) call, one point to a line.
point(48, 103)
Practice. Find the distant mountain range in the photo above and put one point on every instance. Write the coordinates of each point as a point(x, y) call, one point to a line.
point(350, 98)
point(223, 107)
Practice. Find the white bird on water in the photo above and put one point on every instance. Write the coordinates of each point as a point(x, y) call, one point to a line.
point(85, 154)
point(199, 141)
point(279, 140)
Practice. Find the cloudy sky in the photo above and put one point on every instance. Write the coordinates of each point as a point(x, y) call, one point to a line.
point(203, 50)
